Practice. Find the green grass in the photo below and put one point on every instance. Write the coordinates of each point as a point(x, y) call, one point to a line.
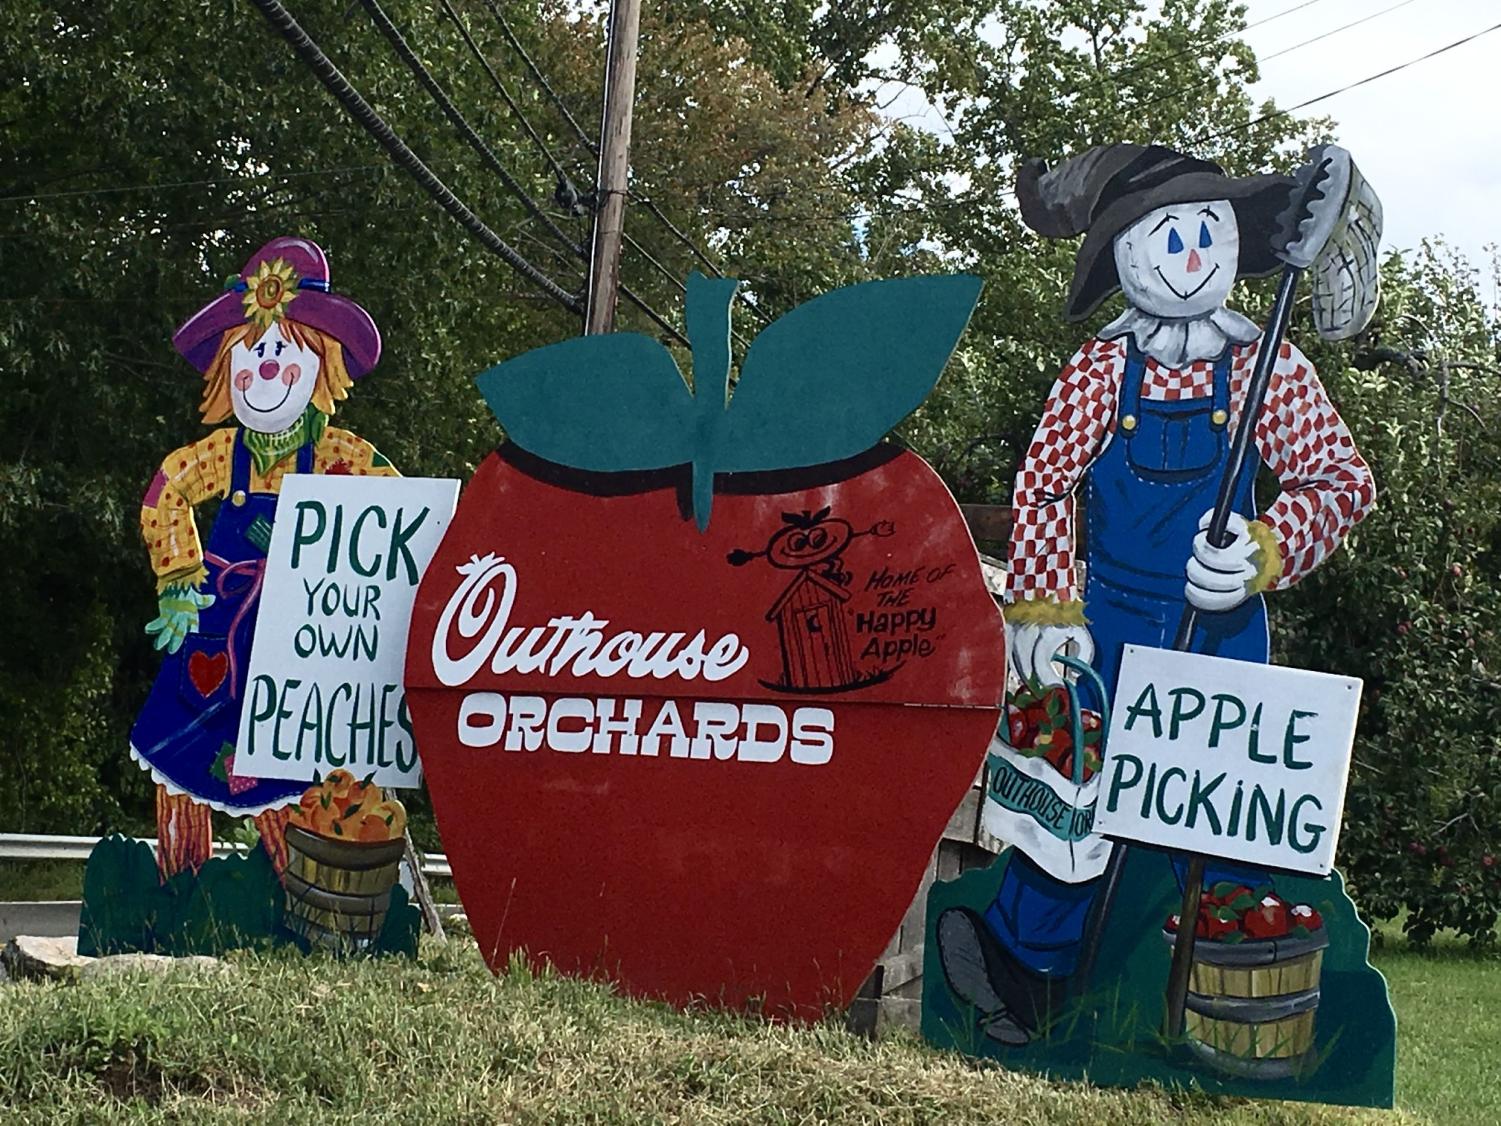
point(1448, 1002)
point(36, 880)
point(444, 1040)
point(280, 1037)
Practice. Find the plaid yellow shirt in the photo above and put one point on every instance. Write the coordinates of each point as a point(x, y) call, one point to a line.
point(198, 472)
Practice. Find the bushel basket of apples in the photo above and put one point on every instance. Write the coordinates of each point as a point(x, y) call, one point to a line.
point(1254, 988)
point(345, 840)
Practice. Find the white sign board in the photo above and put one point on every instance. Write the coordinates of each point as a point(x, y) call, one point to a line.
point(1228, 758)
point(325, 684)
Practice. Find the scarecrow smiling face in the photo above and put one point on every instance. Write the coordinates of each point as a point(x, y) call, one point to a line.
point(272, 379)
point(1179, 260)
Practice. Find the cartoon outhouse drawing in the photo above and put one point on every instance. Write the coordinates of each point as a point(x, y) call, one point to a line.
point(811, 629)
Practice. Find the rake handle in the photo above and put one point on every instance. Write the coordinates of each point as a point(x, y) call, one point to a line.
point(1261, 379)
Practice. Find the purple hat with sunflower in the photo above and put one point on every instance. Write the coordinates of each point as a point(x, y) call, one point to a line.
point(286, 278)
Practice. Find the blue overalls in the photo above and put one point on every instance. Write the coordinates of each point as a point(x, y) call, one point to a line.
point(192, 716)
point(1145, 494)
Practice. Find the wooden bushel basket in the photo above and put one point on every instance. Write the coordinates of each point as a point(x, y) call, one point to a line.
point(338, 891)
point(1252, 1005)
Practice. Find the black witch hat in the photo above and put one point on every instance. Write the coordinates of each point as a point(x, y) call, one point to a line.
point(1103, 190)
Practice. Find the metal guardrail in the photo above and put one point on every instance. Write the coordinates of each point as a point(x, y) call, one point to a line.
point(32, 846)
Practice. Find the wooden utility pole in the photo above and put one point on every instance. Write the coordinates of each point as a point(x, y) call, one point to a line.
point(614, 166)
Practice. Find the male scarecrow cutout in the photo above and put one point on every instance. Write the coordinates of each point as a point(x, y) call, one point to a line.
point(1142, 419)
point(277, 351)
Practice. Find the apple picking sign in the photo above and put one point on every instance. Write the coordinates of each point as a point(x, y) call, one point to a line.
point(699, 678)
point(325, 680)
point(1229, 758)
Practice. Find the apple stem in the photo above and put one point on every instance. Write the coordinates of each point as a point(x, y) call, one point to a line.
point(707, 311)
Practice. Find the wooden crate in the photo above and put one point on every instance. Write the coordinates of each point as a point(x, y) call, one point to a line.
point(964, 845)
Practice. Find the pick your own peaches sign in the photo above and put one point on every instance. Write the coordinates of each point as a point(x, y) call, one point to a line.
point(699, 677)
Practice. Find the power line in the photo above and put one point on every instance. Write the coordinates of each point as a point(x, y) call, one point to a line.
point(1165, 57)
point(158, 186)
point(456, 117)
point(466, 131)
point(375, 125)
point(1351, 86)
point(591, 147)
point(1342, 27)
point(505, 94)
point(1180, 90)
point(697, 253)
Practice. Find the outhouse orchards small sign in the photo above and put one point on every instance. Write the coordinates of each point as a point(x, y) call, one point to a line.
point(1229, 758)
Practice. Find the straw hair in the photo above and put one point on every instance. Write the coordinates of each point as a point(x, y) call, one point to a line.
point(333, 377)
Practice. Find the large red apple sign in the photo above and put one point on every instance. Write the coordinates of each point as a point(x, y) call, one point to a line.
point(708, 759)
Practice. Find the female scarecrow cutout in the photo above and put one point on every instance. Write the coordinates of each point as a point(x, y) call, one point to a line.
point(277, 351)
point(1141, 421)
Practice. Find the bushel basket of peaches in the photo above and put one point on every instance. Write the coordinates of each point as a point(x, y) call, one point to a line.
point(345, 841)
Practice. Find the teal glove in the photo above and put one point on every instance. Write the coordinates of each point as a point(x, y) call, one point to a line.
point(178, 605)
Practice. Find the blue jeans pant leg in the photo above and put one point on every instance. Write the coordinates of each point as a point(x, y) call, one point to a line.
point(1040, 920)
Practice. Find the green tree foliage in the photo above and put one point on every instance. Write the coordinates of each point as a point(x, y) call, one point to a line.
point(1412, 605)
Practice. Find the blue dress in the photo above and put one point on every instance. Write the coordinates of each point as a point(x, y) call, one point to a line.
point(1144, 496)
point(191, 719)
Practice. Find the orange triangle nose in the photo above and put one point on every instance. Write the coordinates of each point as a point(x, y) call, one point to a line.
point(1195, 263)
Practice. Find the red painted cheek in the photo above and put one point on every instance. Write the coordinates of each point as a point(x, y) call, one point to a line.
point(291, 374)
point(243, 379)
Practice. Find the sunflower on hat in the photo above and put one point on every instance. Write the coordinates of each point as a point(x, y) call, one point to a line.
point(269, 291)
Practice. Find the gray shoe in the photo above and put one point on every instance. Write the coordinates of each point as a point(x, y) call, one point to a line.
point(961, 950)
point(1006, 1029)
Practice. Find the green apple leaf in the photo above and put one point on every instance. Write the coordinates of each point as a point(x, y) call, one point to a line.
point(604, 403)
point(822, 383)
point(832, 377)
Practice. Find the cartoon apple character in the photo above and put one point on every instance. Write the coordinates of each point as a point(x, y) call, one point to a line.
point(655, 758)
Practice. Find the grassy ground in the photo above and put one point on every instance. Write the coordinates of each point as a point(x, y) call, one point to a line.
point(36, 880)
point(1448, 1002)
point(441, 1041)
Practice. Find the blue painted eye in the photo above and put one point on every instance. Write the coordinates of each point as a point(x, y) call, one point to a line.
point(1174, 243)
point(1204, 239)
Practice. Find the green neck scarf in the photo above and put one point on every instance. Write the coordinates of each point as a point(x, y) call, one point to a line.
point(268, 449)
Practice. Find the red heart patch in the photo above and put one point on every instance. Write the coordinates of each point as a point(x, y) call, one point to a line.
point(208, 672)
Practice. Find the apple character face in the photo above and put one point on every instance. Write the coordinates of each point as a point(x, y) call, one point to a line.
point(1179, 261)
point(272, 380)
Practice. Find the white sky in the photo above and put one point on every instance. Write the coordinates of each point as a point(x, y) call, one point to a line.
point(1428, 137)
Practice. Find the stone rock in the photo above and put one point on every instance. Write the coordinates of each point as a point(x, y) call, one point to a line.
point(115, 964)
point(39, 958)
point(57, 959)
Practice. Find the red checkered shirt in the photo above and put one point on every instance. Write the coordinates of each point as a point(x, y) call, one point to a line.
point(1327, 486)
